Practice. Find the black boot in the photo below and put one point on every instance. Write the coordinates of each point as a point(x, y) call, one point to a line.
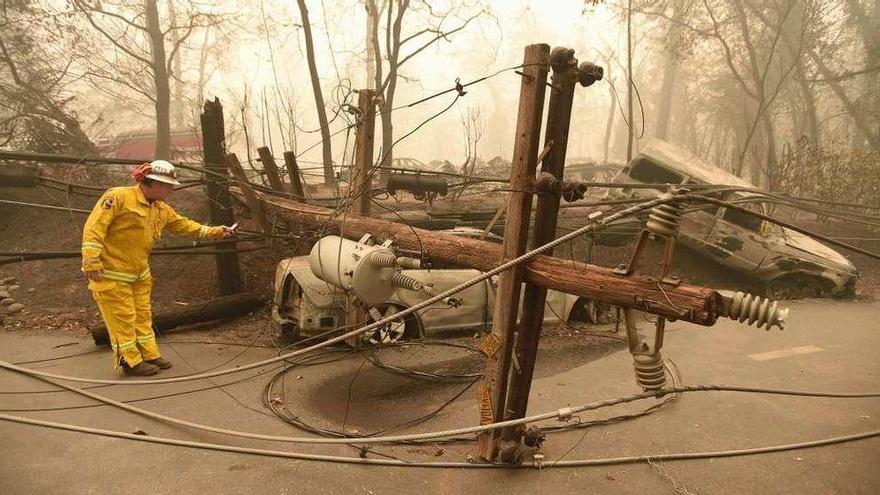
point(163, 364)
point(141, 369)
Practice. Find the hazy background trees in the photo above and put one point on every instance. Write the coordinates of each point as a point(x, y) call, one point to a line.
point(36, 75)
point(759, 87)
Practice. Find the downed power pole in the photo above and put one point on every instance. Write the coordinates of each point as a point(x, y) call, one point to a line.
point(698, 305)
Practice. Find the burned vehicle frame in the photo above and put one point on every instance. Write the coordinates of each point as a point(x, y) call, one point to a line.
point(785, 262)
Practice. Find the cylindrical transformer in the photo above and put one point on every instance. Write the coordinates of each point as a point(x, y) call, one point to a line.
point(349, 265)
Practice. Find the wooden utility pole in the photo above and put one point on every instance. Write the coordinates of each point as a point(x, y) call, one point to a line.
point(219, 201)
point(270, 168)
point(254, 203)
point(498, 345)
point(683, 302)
point(296, 186)
point(565, 76)
point(362, 182)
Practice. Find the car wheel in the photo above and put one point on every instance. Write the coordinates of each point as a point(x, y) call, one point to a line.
point(589, 311)
point(396, 330)
point(289, 331)
point(848, 291)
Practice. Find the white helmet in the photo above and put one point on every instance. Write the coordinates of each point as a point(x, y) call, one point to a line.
point(163, 171)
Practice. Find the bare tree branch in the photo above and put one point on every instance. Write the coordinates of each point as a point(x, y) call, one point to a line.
point(441, 35)
point(764, 102)
point(83, 5)
point(12, 68)
point(122, 82)
point(841, 77)
point(85, 9)
point(181, 40)
point(677, 22)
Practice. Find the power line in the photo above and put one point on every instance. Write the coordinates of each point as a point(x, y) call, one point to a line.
point(561, 413)
point(418, 464)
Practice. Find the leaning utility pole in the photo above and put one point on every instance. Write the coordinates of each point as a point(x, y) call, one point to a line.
point(498, 345)
point(565, 76)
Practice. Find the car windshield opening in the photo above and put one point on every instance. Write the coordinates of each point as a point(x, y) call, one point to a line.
point(649, 172)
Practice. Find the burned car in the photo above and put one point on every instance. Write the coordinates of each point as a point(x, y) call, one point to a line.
point(788, 263)
point(306, 305)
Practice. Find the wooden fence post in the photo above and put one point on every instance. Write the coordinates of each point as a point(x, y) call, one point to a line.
point(296, 186)
point(254, 203)
point(270, 168)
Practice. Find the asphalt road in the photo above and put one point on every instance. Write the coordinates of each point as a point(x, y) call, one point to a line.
point(827, 346)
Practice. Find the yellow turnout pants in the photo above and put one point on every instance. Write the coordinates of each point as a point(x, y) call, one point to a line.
point(125, 307)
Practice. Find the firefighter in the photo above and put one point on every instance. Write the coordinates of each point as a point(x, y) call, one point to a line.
point(117, 239)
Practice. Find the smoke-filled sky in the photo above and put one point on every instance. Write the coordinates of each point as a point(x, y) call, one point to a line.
point(491, 43)
point(737, 83)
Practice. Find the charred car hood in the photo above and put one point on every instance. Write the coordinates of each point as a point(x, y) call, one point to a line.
point(818, 252)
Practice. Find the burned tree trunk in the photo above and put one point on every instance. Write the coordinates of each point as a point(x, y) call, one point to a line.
point(215, 309)
point(214, 149)
point(327, 152)
point(270, 168)
point(161, 81)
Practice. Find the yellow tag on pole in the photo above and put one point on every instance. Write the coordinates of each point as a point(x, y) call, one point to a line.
point(490, 345)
